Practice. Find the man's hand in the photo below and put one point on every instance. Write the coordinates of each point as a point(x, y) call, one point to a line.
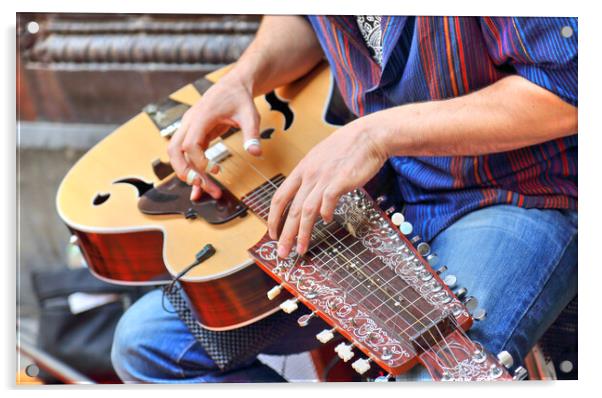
point(346, 160)
point(228, 103)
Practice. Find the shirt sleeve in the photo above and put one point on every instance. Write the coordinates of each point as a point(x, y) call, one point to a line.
point(542, 50)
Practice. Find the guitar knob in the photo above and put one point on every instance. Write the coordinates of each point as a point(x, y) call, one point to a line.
point(274, 292)
point(461, 293)
point(344, 351)
point(406, 228)
point(397, 219)
point(450, 281)
point(289, 306)
point(505, 359)
point(520, 374)
point(325, 336)
point(479, 314)
point(361, 366)
point(471, 303)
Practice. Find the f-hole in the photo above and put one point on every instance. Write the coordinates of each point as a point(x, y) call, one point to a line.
point(100, 198)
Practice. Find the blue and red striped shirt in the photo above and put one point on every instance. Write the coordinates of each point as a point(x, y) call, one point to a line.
point(432, 58)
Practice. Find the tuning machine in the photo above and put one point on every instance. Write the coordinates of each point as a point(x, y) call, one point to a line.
point(505, 359)
point(520, 373)
point(361, 365)
point(274, 292)
point(325, 335)
point(304, 319)
point(289, 306)
point(344, 351)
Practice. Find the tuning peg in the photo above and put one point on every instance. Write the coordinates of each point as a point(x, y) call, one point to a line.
point(505, 359)
point(304, 319)
point(381, 199)
point(461, 293)
point(479, 314)
point(325, 335)
point(471, 303)
point(424, 249)
point(441, 269)
point(406, 228)
point(289, 306)
point(344, 351)
point(433, 259)
point(397, 219)
point(274, 292)
point(415, 239)
point(361, 366)
point(390, 210)
point(520, 374)
point(450, 281)
point(381, 379)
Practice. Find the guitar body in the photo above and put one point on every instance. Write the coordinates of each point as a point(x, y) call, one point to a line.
point(99, 201)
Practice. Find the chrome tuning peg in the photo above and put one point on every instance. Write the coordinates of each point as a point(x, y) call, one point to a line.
point(406, 228)
point(461, 293)
point(325, 335)
point(450, 281)
point(441, 269)
point(361, 365)
point(505, 359)
point(471, 303)
point(424, 249)
point(304, 319)
point(383, 379)
point(520, 374)
point(415, 239)
point(390, 210)
point(397, 218)
point(289, 306)
point(344, 351)
point(381, 199)
point(433, 259)
point(479, 314)
point(274, 292)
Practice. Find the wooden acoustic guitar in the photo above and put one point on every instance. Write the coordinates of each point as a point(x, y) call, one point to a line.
point(135, 224)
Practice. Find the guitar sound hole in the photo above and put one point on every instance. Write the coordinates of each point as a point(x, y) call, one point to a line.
point(100, 198)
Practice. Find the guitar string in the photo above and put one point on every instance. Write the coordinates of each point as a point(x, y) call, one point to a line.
point(407, 310)
point(403, 309)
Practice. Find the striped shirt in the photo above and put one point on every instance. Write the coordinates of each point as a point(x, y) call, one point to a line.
point(432, 58)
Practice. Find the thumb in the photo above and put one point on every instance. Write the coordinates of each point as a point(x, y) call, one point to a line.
point(249, 124)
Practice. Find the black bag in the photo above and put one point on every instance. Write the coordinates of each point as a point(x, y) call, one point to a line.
point(83, 340)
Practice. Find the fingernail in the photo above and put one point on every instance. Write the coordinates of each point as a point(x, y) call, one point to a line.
point(282, 251)
point(252, 143)
point(300, 249)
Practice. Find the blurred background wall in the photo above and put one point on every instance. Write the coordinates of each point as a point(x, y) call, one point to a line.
point(81, 75)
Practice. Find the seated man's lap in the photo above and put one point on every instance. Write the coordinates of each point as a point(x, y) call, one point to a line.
point(520, 264)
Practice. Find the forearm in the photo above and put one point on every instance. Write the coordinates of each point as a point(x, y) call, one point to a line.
point(284, 49)
point(510, 114)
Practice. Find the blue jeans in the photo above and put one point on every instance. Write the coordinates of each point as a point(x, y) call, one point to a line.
point(521, 264)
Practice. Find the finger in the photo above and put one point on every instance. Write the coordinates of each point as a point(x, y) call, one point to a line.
point(330, 198)
point(248, 120)
point(293, 218)
point(283, 195)
point(196, 192)
point(176, 156)
point(309, 214)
